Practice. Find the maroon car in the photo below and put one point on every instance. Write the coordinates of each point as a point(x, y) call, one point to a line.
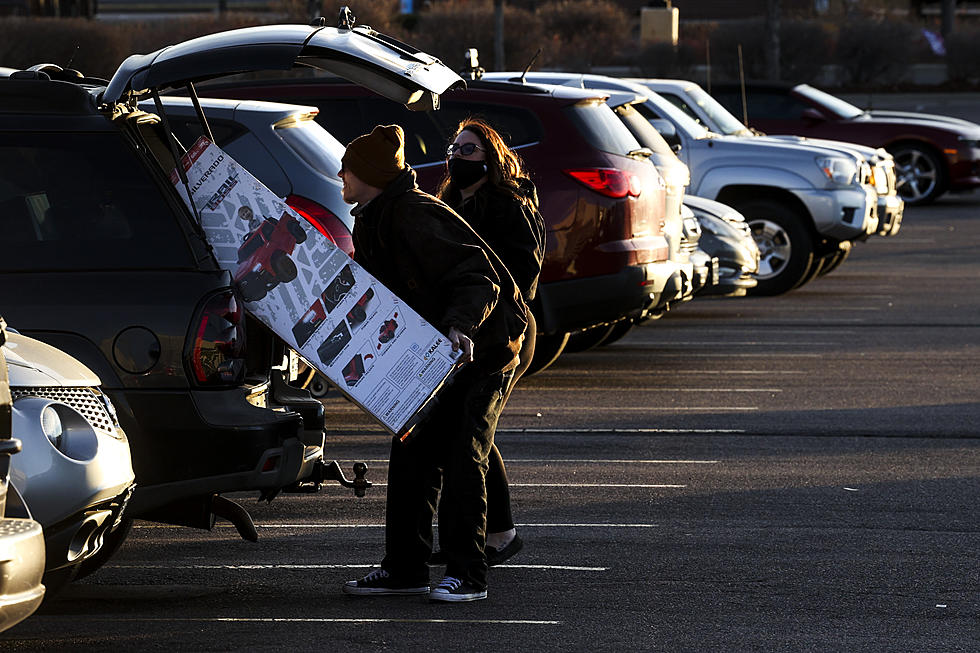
point(933, 154)
point(601, 198)
point(263, 259)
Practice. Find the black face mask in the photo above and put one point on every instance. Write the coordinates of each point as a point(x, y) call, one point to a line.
point(465, 173)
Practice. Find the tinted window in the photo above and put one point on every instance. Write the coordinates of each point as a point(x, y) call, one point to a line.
point(517, 126)
point(425, 131)
point(83, 201)
point(314, 144)
point(601, 128)
point(187, 131)
point(644, 132)
point(763, 105)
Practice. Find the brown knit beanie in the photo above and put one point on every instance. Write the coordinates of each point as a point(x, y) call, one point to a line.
point(377, 158)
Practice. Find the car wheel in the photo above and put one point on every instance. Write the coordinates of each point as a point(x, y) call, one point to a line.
point(834, 261)
point(919, 172)
point(785, 246)
point(110, 544)
point(620, 329)
point(588, 339)
point(252, 288)
point(283, 267)
point(547, 349)
point(319, 386)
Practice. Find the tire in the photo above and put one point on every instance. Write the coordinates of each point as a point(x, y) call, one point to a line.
point(620, 329)
point(252, 288)
point(588, 339)
point(283, 267)
point(816, 265)
point(547, 349)
point(110, 544)
point(921, 175)
point(319, 386)
point(785, 245)
point(834, 261)
point(296, 231)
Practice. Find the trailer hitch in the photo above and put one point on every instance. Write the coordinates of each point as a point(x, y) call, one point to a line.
point(332, 472)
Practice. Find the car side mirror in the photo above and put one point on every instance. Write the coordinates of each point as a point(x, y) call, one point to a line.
point(669, 133)
point(812, 116)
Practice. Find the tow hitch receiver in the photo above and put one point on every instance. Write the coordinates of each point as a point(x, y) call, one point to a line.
point(332, 472)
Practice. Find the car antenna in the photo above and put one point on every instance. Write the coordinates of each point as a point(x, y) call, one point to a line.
point(527, 68)
point(741, 81)
point(72, 57)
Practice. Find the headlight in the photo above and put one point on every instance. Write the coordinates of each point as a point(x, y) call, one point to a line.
point(51, 426)
point(840, 171)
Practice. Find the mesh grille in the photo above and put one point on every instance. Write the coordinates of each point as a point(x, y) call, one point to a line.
point(84, 400)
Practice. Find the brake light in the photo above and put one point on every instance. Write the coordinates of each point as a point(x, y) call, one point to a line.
point(325, 221)
point(217, 351)
point(607, 181)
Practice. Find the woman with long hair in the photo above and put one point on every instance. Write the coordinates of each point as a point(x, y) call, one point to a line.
point(486, 183)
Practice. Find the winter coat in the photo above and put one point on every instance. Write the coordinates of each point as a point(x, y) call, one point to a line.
point(421, 250)
point(514, 229)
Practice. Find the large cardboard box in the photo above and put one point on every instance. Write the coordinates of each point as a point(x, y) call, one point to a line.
point(356, 332)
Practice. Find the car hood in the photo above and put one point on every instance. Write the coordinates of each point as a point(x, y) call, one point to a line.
point(32, 363)
point(361, 55)
point(899, 118)
point(702, 206)
point(864, 151)
point(765, 146)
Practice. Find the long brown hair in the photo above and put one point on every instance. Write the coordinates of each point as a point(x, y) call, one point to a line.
point(504, 167)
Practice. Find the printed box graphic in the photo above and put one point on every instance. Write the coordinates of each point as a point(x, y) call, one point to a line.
point(370, 344)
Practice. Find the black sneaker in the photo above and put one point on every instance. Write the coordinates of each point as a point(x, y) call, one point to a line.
point(453, 589)
point(381, 583)
point(498, 556)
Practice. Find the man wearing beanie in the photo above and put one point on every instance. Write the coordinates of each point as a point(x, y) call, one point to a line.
point(430, 257)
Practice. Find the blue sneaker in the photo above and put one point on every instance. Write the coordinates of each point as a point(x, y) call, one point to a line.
point(453, 589)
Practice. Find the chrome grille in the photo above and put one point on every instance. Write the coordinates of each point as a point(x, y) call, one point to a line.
point(84, 400)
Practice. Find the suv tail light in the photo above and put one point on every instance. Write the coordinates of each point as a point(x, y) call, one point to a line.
point(217, 349)
point(607, 181)
point(325, 221)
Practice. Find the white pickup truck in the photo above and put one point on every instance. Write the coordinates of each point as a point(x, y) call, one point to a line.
point(804, 203)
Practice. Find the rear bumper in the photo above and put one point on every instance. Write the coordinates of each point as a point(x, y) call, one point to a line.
point(567, 306)
point(198, 443)
point(79, 537)
point(890, 211)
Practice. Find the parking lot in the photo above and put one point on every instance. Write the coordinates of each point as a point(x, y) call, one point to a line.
point(789, 473)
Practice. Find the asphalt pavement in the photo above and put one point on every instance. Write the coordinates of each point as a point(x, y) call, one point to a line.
point(795, 473)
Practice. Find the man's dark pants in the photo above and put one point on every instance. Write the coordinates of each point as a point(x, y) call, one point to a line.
point(450, 449)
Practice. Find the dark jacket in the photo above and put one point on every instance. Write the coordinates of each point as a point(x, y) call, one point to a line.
point(427, 255)
point(514, 229)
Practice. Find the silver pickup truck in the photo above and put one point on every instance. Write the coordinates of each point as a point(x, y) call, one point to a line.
point(804, 203)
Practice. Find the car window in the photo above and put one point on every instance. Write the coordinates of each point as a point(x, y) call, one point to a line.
point(723, 120)
point(425, 131)
point(342, 118)
point(516, 125)
point(601, 127)
point(764, 105)
point(841, 107)
point(187, 131)
point(83, 201)
point(312, 143)
point(644, 132)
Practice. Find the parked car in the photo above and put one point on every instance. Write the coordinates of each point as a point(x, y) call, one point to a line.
point(726, 236)
point(933, 154)
point(803, 203)
point(75, 474)
point(698, 104)
point(21, 539)
point(105, 261)
point(601, 198)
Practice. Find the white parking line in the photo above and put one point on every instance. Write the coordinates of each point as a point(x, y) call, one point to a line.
point(351, 566)
point(319, 525)
point(327, 620)
point(594, 485)
point(560, 388)
point(622, 461)
point(657, 408)
point(621, 430)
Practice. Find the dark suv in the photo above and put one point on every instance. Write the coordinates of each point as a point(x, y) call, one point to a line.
point(602, 199)
point(104, 260)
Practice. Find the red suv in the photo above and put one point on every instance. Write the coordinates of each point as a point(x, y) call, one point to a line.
point(601, 198)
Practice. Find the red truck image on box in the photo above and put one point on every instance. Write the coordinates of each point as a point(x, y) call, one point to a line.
point(263, 259)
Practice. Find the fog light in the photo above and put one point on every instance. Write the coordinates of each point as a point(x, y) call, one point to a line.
point(51, 426)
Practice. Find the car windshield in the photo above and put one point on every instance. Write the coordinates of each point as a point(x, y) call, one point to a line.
point(660, 107)
point(722, 120)
point(312, 143)
point(835, 104)
point(601, 128)
point(84, 201)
